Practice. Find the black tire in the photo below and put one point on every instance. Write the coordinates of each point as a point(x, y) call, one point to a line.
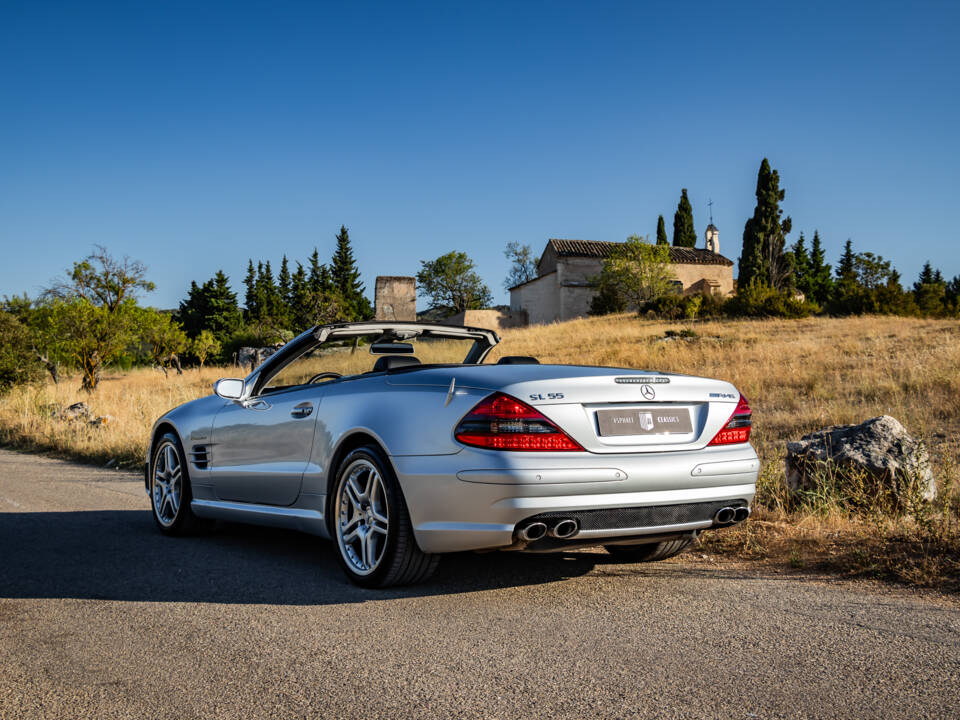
point(400, 560)
point(651, 552)
point(182, 521)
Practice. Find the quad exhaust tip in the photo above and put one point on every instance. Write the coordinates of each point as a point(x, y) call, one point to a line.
point(730, 515)
point(532, 532)
point(537, 530)
point(564, 529)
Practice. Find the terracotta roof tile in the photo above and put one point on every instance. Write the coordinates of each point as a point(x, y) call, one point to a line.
point(603, 248)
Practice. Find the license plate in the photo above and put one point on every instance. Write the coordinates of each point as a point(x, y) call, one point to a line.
point(645, 421)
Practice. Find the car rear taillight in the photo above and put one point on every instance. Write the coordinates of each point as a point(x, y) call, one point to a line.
point(500, 422)
point(737, 429)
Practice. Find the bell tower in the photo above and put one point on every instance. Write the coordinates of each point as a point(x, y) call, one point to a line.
point(712, 235)
point(712, 238)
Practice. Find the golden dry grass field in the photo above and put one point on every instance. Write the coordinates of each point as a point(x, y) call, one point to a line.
point(799, 375)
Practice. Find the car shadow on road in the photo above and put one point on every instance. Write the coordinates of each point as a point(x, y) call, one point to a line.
point(119, 555)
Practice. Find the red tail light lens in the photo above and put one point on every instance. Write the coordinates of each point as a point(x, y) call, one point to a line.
point(737, 429)
point(500, 422)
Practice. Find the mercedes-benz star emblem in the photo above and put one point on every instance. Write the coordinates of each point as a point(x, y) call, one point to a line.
point(648, 392)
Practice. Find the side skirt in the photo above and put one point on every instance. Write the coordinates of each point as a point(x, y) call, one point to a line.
point(294, 518)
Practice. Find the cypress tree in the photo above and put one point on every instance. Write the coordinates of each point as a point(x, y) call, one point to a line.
point(848, 296)
point(223, 316)
point(299, 300)
point(211, 306)
point(343, 268)
point(313, 281)
point(801, 266)
point(661, 232)
point(250, 298)
point(952, 294)
point(272, 302)
point(845, 268)
point(191, 312)
point(283, 313)
point(346, 278)
point(683, 233)
point(283, 280)
point(762, 259)
point(930, 291)
point(821, 281)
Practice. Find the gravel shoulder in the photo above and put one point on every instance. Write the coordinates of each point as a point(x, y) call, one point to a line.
point(102, 617)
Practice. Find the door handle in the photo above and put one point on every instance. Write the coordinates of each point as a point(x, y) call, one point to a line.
point(302, 410)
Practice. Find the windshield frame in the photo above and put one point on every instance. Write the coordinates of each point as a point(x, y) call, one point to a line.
point(483, 343)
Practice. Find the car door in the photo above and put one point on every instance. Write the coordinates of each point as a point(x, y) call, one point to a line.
point(261, 446)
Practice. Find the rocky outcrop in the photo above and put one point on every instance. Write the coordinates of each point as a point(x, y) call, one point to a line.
point(879, 449)
point(79, 412)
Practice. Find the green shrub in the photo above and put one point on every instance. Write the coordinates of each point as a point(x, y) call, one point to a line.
point(758, 300)
point(18, 363)
point(684, 333)
point(690, 307)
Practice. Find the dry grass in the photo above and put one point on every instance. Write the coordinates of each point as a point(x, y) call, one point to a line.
point(802, 375)
point(799, 375)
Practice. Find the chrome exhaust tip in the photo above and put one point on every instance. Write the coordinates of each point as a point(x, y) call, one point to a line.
point(725, 516)
point(532, 532)
point(741, 513)
point(565, 528)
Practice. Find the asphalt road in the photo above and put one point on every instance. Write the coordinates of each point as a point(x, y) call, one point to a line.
point(102, 617)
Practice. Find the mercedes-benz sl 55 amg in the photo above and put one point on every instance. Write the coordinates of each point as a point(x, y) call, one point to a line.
point(398, 442)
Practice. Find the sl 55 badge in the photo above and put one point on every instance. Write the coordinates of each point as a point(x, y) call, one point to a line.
point(547, 396)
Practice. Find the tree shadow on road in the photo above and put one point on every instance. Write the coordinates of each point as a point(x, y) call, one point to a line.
point(119, 555)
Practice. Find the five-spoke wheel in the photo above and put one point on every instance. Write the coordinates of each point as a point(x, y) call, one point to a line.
point(167, 483)
point(170, 487)
point(371, 524)
point(363, 516)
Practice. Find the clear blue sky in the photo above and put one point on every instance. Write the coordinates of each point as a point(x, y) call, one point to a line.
point(193, 136)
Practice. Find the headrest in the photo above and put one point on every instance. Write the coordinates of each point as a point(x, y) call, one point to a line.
point(518, 360)
point(392, 362)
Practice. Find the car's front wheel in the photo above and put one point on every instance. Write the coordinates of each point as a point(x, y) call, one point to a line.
point(371, 524)
point(170, 488)
point(650, 552)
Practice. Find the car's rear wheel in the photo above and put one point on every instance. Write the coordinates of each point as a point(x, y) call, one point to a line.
point(650, 552)
point(170, 494)
point(371, 524)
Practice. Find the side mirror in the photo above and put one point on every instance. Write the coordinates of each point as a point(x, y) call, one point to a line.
point(229, 388)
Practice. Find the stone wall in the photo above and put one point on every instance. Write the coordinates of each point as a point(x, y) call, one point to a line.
point(575, 293)
point(691, 274)
point(395, 298)
point(539, 298)
point(494, 319)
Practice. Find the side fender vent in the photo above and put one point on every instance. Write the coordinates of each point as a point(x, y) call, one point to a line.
point(200, 456)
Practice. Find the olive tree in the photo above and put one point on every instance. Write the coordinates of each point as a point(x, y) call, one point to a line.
point(204, 345)
point(161, 339)
point(635, 273)
point(93, 309)
point(451, 281)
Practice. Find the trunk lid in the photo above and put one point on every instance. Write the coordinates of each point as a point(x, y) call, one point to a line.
point(630, 411)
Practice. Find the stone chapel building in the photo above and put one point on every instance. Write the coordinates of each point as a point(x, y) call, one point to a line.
point(561, 290)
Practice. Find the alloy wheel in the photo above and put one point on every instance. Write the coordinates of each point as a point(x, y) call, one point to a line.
point(167, 484)
point(362, 517)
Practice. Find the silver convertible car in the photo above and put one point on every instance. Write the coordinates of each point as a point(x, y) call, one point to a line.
point(398, 442)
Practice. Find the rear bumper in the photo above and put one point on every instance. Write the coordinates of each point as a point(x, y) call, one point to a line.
point(475, 499)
